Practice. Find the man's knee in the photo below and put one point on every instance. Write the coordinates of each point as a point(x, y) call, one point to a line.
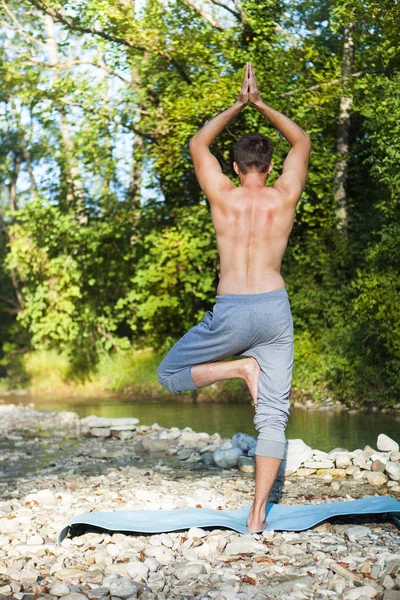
point(270, 421)
point(176, 381)
point(162, 376)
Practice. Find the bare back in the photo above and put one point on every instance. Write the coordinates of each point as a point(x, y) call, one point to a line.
point(252, 229)
point(252, 222)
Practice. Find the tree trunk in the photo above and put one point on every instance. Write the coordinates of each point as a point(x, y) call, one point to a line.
point(13, 181)
point(135, 182)
point(75, 189)
point(25, 151)
point(13, 207)
point(342, 144)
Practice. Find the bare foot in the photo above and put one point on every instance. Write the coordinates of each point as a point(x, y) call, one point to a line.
point(256, 520)
point(251, 373)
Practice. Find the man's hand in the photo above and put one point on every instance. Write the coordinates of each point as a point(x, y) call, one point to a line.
point(254, 94)
point(244, 92)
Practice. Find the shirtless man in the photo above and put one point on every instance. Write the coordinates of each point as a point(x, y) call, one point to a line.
point(251, 316)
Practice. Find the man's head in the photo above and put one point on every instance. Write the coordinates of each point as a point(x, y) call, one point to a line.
point(253, 152)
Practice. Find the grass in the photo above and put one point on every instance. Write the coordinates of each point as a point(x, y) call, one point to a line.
point(132, 373)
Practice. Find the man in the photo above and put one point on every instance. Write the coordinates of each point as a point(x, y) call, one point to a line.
point(251, 316)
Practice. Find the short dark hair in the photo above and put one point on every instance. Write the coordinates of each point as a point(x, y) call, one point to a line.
point(253, 150)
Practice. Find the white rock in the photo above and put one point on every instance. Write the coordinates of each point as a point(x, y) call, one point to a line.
point(137, 570)
point(189, 438)
point(68, 418)
point(190, 571)
point(196, 532)
point(379, 456)
point(319, 464)
point(359, 461)
point(393, 470)
point(357, 532)
point(101, 432)
point(342, 461)
point(365, 590)
point(152, 563)
point(376, 478)
point(386, 444)
point(28, 575)
point(60, 589)
point(245, 545)
point(45, 497)
point(166, 557)
point(123, 588)
point(93, 421)
point(297, 453)
point(8, 525)
point(166, 540)
point(35, 539)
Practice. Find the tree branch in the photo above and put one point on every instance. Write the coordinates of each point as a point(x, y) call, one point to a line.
point(61, 18)
point(206, 15)
point(324, 84)
point(99, 64)
point(18, 27)
point(101, 113)
point(238, 14)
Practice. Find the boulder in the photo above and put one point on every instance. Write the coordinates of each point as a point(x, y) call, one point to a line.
point(103, 432)
point(244, 441)
point(393, 470)
point(376, 478)
point(386, 444)
point(378, 466)
point(297, 453)
point(227, 458)
point(93, 421)
point(154, 444)
point(342, 460)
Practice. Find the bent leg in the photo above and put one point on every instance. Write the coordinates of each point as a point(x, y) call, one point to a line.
point(247, 369)
point(195, 360)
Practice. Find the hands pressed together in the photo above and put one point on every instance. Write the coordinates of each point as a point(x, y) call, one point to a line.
point(249, 92)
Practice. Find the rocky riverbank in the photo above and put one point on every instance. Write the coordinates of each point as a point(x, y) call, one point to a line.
point(96, 464)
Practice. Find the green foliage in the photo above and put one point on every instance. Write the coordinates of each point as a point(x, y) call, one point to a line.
point(91, 270)
point(174, 278)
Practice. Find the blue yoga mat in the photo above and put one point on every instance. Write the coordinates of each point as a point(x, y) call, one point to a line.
point(280, 517)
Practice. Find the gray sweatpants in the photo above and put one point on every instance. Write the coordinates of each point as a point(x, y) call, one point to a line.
point(258, 325)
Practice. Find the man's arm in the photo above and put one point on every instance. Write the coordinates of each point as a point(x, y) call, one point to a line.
point(208, 170)
point(294, 170)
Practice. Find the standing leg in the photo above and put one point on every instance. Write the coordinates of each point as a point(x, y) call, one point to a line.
point(267, 469)
point(275, 357)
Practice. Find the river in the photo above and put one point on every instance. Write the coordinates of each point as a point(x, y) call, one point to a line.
point(321, 429)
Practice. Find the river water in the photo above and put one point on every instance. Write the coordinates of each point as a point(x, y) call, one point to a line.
point(321, 429)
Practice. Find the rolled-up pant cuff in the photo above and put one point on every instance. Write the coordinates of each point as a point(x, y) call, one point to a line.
point(181, 381)
point(270, 448)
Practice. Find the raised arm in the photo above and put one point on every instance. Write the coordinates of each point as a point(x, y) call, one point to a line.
point(294, 170)
point(208, 170)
